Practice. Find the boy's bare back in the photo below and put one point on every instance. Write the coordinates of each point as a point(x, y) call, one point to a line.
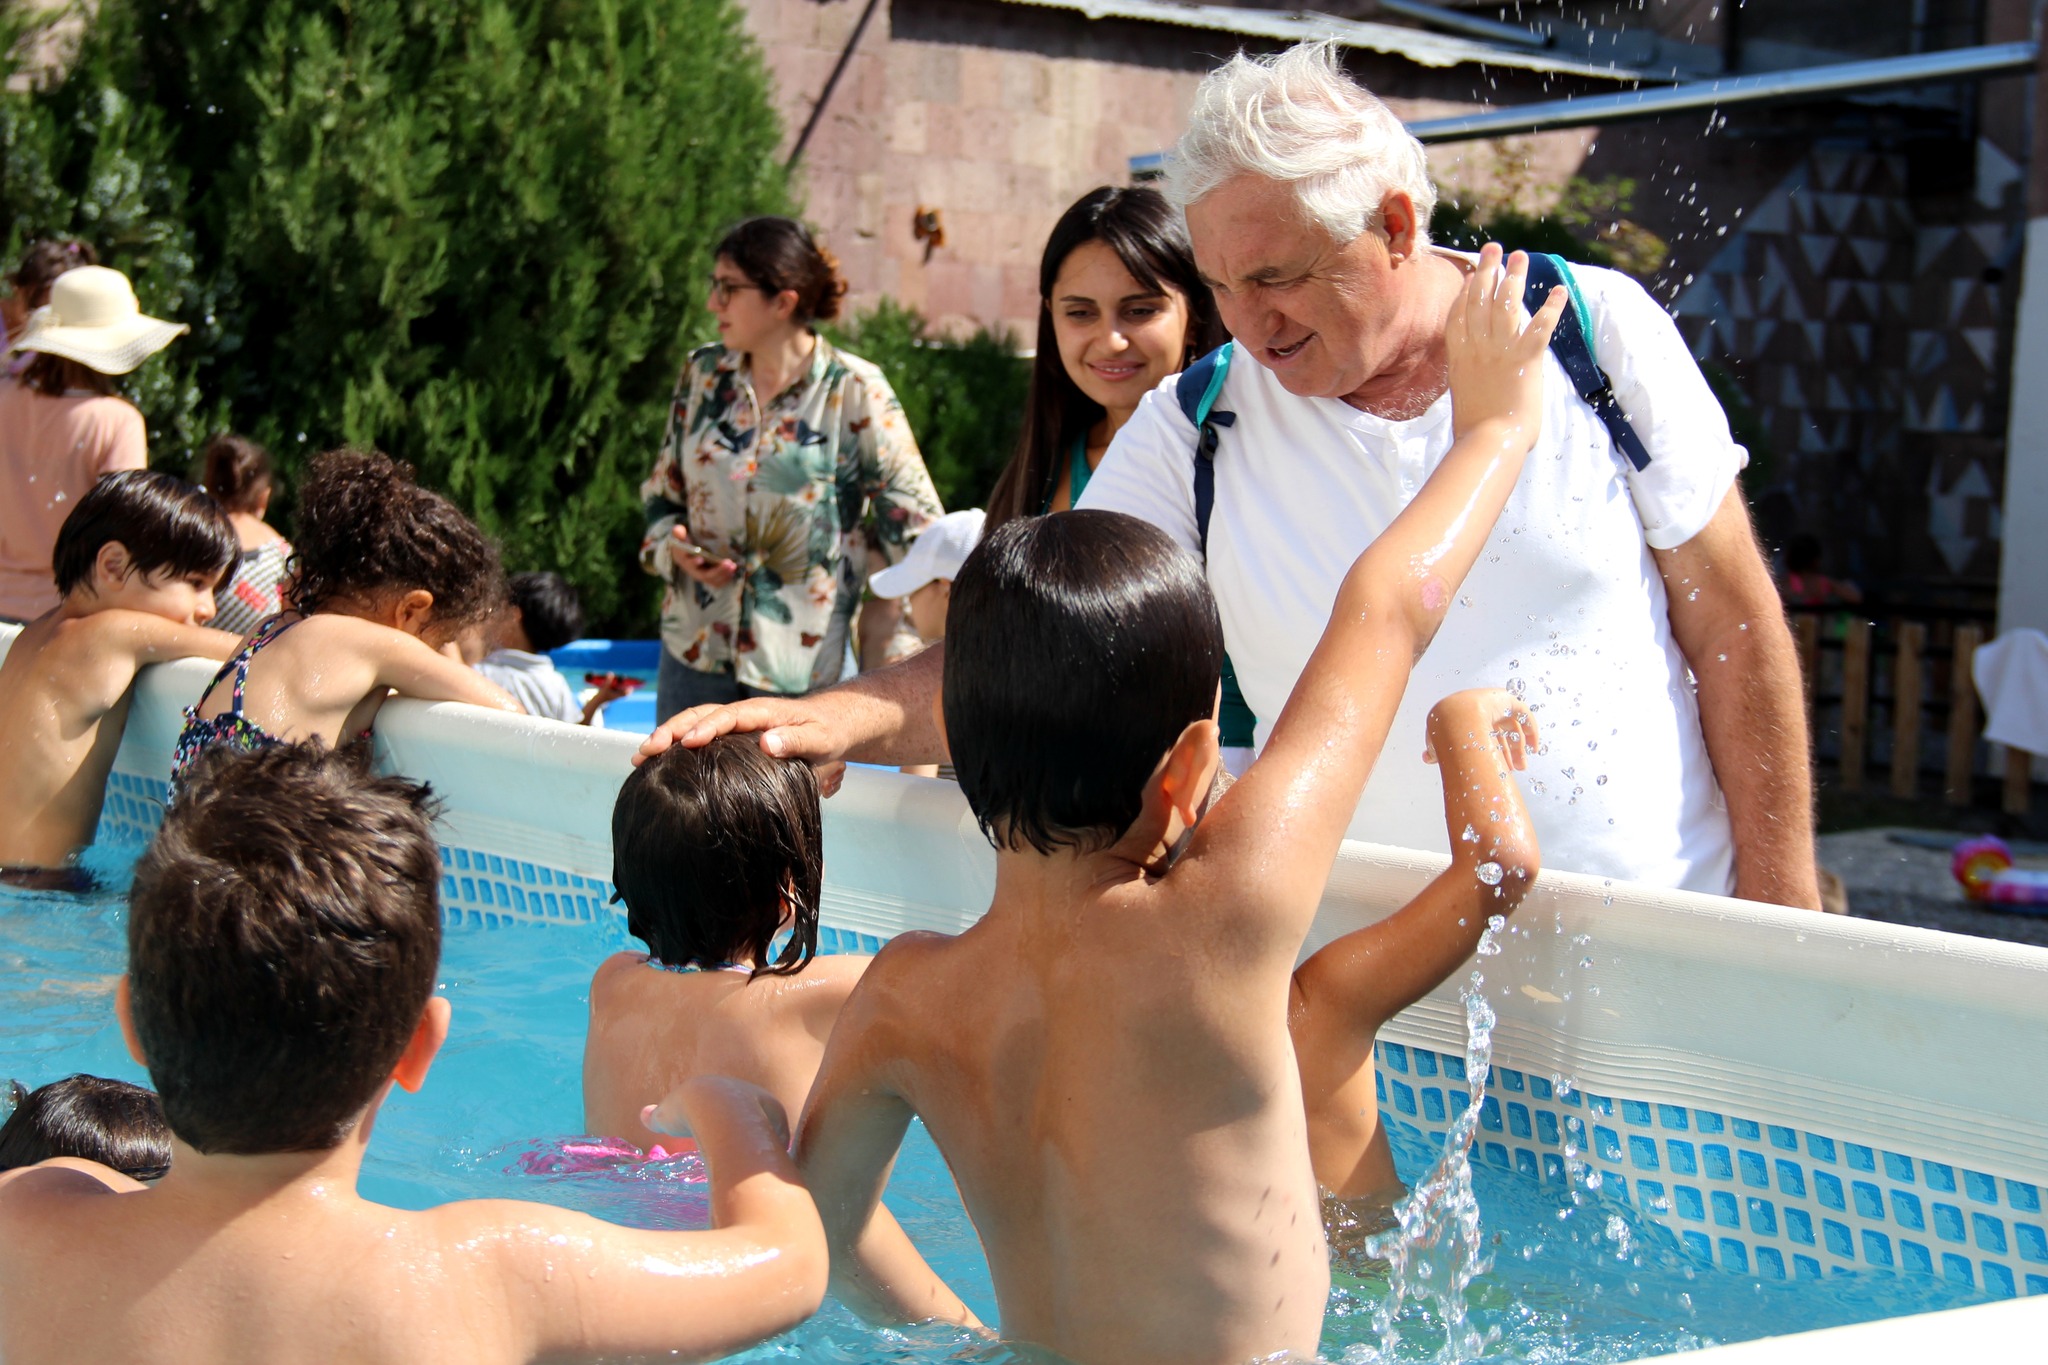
point(64, 694)
point(651, 1030)
point(1116, 1097)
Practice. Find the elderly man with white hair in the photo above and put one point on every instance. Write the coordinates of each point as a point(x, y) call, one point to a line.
point(1630, 607)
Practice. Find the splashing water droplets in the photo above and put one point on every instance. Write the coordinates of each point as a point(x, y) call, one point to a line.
point(1435, 1249)
point(1490, 873)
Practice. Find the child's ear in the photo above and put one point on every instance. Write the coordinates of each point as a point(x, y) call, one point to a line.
point(1189, 770)
point(124, 1010)
point(427, 1037)
point(413, 611)
point(112, 564)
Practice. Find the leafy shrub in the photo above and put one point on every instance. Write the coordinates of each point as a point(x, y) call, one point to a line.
point(473, 233)
point(1590, 225)
point(964, 399)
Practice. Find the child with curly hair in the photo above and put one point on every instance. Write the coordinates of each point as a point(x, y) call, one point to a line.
point(389, 580)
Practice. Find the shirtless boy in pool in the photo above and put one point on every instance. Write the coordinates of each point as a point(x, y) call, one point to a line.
point(1103, 1059)
point(284, 940)
point(137, 562)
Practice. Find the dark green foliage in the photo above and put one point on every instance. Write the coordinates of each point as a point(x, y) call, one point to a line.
point(1589, 225)
point(84, 159)
point(472, 233)
point(964, 399)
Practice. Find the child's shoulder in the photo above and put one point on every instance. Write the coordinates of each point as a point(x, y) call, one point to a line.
point(50, 1189)
point(912, 972)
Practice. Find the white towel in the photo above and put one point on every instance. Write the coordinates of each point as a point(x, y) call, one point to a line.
point(2012, 677)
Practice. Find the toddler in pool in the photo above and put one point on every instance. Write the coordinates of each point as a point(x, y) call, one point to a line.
point(1103, 1059)
point(112, 1129)
point(716, 852)
point(136, 563)
point(388, 582)
point(283, 943)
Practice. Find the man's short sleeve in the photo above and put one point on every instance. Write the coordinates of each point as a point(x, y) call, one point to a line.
point(1693, 459)
point(1149, 472)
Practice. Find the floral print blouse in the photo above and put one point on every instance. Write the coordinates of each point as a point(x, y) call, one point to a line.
point(796, 494)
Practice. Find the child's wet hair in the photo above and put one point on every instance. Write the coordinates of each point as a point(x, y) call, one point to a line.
point(284, 935)
point(167, 526)
point(365, 528)
point(90, 1117)
point(1079, 646)
point(715, 851)
point(550, 612)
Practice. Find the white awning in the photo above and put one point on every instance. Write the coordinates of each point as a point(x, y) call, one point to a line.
point(1420, 46)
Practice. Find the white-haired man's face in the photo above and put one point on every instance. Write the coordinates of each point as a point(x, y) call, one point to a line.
point(1320, 315)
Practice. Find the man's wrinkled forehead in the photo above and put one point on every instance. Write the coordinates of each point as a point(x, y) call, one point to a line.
point(1253, 232)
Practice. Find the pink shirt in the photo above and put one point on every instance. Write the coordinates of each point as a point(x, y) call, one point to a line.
point(52, 451)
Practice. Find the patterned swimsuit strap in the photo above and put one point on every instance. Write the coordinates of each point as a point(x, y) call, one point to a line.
point(239, 665)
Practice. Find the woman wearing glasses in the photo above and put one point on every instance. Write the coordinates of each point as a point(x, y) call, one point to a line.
point(786, 465)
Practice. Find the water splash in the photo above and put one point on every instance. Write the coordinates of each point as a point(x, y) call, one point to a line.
point(1435, 1249)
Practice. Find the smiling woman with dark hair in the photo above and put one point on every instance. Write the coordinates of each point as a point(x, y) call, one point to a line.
point(1121, 307)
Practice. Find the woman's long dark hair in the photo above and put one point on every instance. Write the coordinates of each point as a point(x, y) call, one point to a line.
point(1147, 237)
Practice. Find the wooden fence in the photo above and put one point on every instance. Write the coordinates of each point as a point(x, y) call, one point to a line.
point(1928, 680)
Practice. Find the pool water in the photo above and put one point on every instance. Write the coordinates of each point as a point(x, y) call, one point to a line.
point(1572, 1276)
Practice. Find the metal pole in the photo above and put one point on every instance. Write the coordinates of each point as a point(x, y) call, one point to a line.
point(1471, 25)
point(831, 83)
point(1843, 78)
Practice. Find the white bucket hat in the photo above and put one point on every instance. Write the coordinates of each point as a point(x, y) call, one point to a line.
point(93, 319)
point(938, 552)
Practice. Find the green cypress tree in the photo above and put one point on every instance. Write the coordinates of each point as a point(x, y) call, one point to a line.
point(473, 233)
point(80, 157)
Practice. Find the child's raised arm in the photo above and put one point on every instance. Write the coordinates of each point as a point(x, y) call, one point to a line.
point(1270, 840)
point(1342, 995)
point(590, 1290)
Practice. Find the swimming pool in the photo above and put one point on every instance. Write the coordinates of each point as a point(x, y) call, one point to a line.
point(1594, 1284)
point(1793, 1121)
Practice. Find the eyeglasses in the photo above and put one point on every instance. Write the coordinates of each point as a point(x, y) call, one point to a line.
point(723, 290)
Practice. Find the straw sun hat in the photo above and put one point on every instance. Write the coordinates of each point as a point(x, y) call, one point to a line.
point(93, 319)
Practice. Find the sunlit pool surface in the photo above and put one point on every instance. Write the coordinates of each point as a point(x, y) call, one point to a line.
point(1569, 1282)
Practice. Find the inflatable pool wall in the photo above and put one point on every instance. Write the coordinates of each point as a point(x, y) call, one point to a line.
point(1786, 1093)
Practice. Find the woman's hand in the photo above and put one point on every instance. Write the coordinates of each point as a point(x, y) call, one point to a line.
point(688, 557)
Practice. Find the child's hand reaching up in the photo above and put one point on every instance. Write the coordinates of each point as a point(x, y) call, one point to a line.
point(1496, 350)
point(1483, 717)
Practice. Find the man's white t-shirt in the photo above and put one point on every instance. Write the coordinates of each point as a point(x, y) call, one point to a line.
point(1565, 606)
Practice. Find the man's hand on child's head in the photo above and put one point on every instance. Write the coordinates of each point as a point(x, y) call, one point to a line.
point(790, 727)
point(1489, 716)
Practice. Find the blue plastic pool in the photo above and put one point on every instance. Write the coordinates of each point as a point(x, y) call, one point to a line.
point(1571, 1280)
point(628, 658)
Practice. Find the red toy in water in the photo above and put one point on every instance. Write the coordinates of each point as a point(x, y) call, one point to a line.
point(1984, 867)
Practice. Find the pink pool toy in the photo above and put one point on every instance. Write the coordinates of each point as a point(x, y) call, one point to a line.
point(1984, 867)
point(576, 1156)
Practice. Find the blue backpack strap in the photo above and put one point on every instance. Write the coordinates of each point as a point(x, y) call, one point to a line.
point(1574, 350)
point(1198, 387)
point(1197, 390)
